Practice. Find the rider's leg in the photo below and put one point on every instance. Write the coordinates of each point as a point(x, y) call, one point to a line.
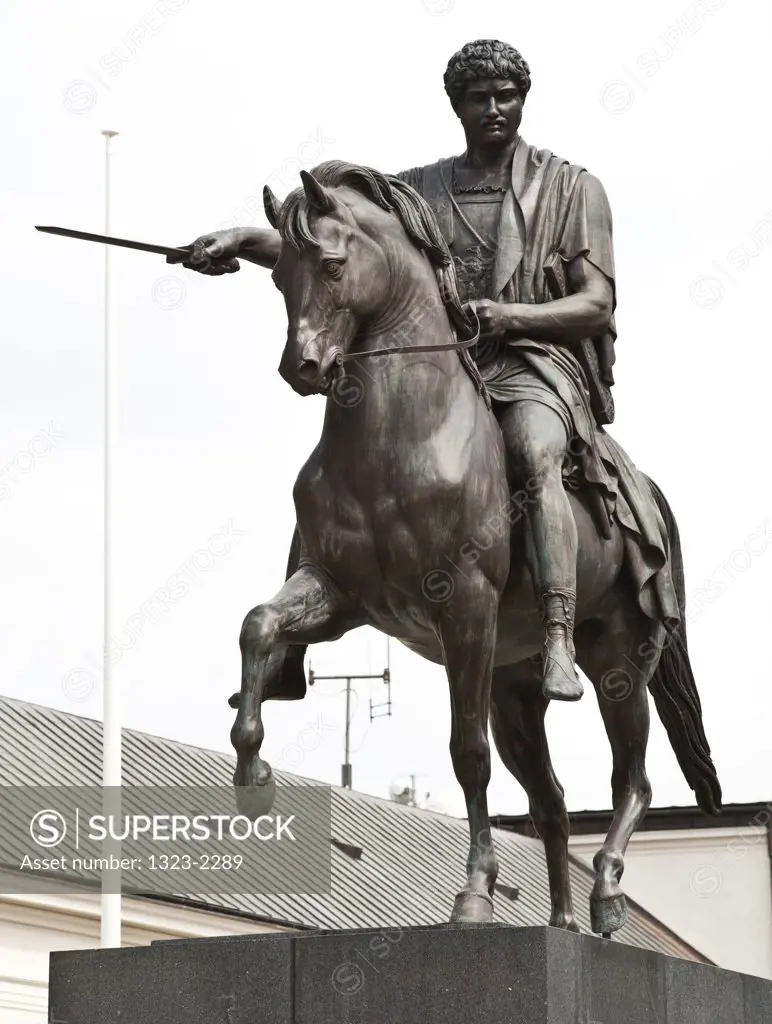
point(536, 441)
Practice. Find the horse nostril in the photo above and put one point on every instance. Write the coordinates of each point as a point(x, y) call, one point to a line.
point(308, 369)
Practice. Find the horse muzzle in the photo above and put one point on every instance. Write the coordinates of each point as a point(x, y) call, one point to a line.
point(311, 373)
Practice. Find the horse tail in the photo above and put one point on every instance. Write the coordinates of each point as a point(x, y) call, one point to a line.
point(674, 690)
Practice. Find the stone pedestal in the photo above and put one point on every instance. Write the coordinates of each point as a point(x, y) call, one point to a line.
point(491, 974)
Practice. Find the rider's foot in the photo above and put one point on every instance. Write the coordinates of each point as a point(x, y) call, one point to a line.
point(561, 681)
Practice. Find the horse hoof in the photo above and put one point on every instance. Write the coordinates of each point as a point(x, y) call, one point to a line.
point(565, 921)
point(608, 913)
point(472, 907)
point(255, 788)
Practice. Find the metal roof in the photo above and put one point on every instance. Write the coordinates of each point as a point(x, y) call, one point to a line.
point(411, 863)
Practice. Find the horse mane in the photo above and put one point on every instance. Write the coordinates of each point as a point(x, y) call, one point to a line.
point(417, 218)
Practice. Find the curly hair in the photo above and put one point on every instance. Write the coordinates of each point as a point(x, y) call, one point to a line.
point(485, 58)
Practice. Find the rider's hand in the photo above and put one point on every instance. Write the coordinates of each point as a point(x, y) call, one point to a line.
point(493, 317)
point(212, 254)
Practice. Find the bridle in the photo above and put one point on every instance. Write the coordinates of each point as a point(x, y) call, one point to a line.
point(458, 346)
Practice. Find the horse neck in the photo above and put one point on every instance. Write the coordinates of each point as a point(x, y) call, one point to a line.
point(403, 395)
point(415, 314)
point(413, 292)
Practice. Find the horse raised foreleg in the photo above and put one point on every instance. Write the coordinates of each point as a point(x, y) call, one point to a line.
point(309, 608)
point(620, 663)
point(468, 642)
point(517, 721)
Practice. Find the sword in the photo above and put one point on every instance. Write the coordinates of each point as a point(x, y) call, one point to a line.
point(177, 254)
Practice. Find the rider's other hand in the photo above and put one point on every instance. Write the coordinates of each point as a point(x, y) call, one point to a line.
point(213, 254)
point(492, 316)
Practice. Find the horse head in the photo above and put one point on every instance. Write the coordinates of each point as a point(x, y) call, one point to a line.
point(333, 273)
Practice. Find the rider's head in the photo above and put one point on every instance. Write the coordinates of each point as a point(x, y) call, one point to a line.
point(487, 82)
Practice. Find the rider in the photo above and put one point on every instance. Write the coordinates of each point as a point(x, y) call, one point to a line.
point(530, 235)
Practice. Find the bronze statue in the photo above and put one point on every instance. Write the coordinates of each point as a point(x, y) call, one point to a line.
point(470, 502)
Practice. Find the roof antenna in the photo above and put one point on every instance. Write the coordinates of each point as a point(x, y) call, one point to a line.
point(346, 770)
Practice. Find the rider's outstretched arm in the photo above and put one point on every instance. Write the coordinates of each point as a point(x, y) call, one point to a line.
point(260, 246)
point(219, 251)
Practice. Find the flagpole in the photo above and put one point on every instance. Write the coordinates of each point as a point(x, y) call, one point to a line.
point(111, 707)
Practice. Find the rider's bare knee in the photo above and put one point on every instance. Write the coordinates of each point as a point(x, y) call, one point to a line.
point(536, 463)
point(536, 442)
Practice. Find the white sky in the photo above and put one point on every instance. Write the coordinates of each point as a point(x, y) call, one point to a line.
point(213, 100)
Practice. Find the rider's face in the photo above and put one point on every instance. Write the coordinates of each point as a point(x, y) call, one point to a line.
point(491, 111)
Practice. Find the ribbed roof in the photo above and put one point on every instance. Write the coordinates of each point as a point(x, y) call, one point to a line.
point(412, 861)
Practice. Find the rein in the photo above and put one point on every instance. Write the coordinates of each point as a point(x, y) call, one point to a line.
point(458, 346)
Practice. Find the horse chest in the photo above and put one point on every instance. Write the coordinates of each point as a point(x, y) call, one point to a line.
point(378, 516)
point(362, 535)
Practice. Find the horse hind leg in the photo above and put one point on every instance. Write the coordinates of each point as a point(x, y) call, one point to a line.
point(517, 722)
point(620, 659)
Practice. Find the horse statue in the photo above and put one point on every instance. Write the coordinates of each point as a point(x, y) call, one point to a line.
point(410, 471)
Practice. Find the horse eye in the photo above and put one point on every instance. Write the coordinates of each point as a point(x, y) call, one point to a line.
point(332, 267)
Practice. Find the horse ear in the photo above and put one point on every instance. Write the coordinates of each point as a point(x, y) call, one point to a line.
point(318, 196)
point(272, 206)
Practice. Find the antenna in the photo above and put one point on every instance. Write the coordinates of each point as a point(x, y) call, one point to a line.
point(346, 771)
point(376, 710)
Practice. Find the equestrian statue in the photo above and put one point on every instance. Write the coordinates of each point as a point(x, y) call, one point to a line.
point(465, 496)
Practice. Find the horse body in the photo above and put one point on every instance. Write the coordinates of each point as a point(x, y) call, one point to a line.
point(408, 522)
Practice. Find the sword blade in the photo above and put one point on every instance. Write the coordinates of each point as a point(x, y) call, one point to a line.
point(163, 250)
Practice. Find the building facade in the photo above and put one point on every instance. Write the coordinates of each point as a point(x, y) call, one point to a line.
point(31, 927)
